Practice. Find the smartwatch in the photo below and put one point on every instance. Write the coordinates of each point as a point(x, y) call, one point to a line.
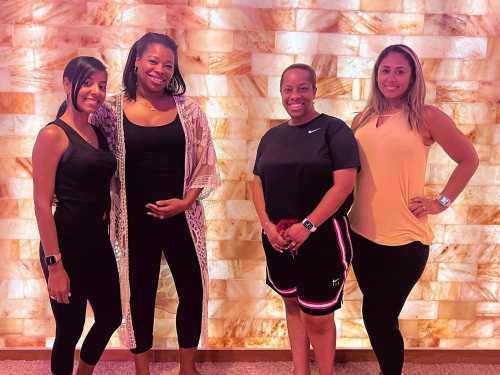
point(444, 201)
point(52, 259)
point(309, 225)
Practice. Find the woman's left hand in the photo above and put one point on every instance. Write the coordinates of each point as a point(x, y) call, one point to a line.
point(296, 234)
point(420, 206)
point(167, 208)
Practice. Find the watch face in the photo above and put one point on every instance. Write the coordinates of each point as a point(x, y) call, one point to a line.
point(444, 201)
point(50, 260)
point(308, 225)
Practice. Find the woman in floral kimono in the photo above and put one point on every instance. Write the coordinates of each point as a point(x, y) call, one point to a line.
point(166, 164)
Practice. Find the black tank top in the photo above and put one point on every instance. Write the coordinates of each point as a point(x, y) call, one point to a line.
point(83, 177)
point(154, 163)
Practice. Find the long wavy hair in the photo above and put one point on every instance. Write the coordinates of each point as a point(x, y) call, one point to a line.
point(414, 98)
point(77, 71)
point(176, 86)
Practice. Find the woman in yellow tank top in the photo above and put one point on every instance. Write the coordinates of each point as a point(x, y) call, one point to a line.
point(391, 236)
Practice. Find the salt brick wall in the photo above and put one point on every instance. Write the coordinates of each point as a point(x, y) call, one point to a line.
point(232, 53)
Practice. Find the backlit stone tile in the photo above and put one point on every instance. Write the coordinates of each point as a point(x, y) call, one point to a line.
point(59, 13)
point(14, 57)
point(226, 107)
point(457, 310)
point(104, 14)
point(372, 45)
point(143, 14)
point(297, 42)
point(483, 215)
point(480, 291)
point(354, 67)
point(458, 6)
point(270, 64)
point(381, 23)
point(447, 47)
point(187, 17)
point(210, 40)
point(383, 6)
point(320, 20)
point(16, 12)
point(338, 44)
point(487, 70)
point(229, 63)
point(437, 291)
point(353, 328)
point(255, 41)
point(246, 85)
point(460, 25)
point(11, 326)
point(439, 328)
point(488, 309)
point(16, 146)
point(419, 310)
point(457, 343)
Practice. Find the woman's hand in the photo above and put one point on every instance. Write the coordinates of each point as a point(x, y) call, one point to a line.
point(58, 283)
point(421, 206)
point(277, 241)
point(167, 208)
point(297, 234)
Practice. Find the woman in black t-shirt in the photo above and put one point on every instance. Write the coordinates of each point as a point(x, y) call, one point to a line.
point(304, 176)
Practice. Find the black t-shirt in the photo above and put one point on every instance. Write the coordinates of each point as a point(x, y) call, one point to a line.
point(295, 164)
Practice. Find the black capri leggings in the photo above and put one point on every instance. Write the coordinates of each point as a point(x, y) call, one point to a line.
point(91, 266)
point(148, 239)
point(386, 276)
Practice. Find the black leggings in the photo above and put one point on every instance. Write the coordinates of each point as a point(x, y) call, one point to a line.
point(93, 279)
point(148, 239)
point(386, 276)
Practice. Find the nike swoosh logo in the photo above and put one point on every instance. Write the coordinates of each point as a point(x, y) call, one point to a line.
point(312, 131)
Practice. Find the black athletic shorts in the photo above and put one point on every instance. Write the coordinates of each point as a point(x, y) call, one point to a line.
point(316, 275)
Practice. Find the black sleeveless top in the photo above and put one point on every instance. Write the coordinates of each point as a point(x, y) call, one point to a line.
point(83, 178)
point(154, 163)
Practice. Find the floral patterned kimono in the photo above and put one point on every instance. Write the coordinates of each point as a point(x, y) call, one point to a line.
point(200, 172)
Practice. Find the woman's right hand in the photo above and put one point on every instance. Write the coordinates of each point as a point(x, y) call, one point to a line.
point(275, 239)
point(58, 283)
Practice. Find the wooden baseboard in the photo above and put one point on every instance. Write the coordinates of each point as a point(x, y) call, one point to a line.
point(484, 356)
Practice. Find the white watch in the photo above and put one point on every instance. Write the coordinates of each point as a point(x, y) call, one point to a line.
point(308, 224)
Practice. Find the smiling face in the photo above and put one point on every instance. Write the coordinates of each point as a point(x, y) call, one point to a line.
point(155, 68)
point(394, 77)
point(297, 95)
point(92, 92)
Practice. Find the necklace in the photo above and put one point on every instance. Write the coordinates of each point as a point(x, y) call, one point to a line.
point(382, 117)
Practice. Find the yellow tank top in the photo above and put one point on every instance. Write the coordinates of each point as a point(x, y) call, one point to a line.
point(393, 163)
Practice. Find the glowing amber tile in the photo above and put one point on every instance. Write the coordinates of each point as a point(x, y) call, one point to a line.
point(58, 13)
point(438, 328)
point(235, 62)
point(338, 44)
point(210, 40)
point(457, 310)
point(143, 14)
point(382, 6)
point(457, 6)
point(187, 17)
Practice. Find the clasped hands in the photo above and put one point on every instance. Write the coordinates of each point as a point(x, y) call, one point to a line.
point(289, 239)
point(163, 209)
